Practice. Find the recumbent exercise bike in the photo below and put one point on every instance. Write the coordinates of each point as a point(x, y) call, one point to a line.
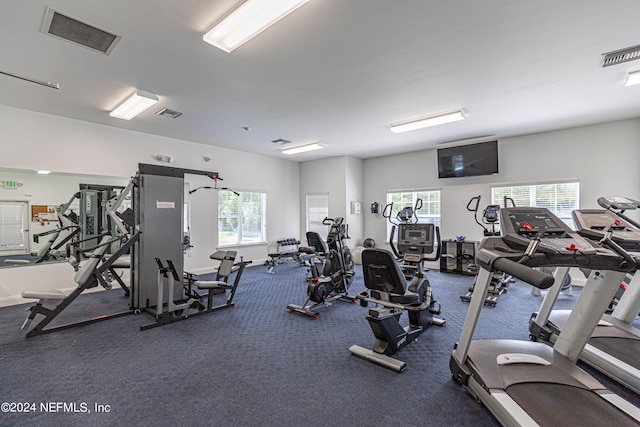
point(388, 289)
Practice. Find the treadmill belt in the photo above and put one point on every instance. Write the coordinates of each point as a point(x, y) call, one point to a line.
point(625, 350)
point(551, 404)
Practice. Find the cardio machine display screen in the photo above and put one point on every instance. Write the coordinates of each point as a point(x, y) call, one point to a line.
point(416, 235)
point(537, 224)
point(416, 238)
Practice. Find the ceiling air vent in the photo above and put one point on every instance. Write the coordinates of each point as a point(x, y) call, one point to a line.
point(69, 29)
point(281, 141)
point(168, 113)
point(621, 56)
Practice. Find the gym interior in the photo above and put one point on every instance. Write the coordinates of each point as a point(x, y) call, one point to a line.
point(182, 267)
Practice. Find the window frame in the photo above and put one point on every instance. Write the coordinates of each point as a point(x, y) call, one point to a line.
point(425, 203)
point(241, 218)
point(563, 214)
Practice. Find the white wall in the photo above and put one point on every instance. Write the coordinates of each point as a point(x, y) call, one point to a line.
point(604, 158)
point(343, 179)
point(33, 141)
point(354, 192)
point(320, 176)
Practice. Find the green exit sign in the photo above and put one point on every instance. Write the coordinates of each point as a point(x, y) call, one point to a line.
point(11, 185)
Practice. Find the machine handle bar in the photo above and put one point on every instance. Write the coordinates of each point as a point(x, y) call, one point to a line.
point(475, 207)
point(629, 263)
point(328, 221)
point(533, 277)
point(438, 246)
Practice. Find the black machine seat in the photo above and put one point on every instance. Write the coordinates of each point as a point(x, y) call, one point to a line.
point(315, 241)
point(384, 278)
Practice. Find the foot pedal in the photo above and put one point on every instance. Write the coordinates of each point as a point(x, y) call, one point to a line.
point(437, 321)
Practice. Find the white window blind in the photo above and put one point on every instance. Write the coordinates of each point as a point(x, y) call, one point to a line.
point(560, 198)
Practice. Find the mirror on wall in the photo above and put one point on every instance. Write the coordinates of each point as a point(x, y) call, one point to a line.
point(41, 213)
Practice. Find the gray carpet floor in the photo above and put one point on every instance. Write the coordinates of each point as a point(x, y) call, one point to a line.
point(254, 364)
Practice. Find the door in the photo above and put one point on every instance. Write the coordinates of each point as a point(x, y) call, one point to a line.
point(14, 227)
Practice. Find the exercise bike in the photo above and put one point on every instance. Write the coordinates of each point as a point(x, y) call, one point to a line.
point(337, 272)
point(500, 281)
point(387, 288)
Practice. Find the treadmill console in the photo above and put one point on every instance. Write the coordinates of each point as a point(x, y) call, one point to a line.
point(416, 239)
point(618, 203)
point(595, 223)
point(521, 225)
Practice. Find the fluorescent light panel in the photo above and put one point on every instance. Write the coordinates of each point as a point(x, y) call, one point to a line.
point(303, 148)
point(43, 172)
point(134, 105)
point(424, 122)
point(249, 20)
point(633, 78)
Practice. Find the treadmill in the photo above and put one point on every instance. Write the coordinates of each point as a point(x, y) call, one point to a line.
point(614, 346)
point(525, 383)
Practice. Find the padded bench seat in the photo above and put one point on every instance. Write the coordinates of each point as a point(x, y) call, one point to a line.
point(211, 284)
point(55, 294)
point(17, 261)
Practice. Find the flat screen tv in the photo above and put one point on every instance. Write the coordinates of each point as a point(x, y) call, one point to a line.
point(468, 160)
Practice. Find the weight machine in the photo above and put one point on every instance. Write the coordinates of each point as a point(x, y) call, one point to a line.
point(97, 270)
point(159, 215)
point(151, 231)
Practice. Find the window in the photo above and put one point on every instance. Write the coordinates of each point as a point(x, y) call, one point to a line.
point(430, 211)
point(317, 210)
point(241, 217)
point(560, 198)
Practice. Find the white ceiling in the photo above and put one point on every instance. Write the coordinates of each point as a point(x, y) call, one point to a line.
point(335, 71)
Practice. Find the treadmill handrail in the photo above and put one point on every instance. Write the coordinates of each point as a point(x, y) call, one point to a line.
point(527, 274)
point(628, 262)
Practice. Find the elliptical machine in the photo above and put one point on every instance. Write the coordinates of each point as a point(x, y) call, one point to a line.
point(337, 272)
point(406, 215)
point(387, 288)
point(490, 217)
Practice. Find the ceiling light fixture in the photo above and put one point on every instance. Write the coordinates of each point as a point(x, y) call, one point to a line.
point(30, 80)
point(303, 148)
point(428, 121)
point(41, 172)
point(633, 78)
point(134, 105)
point(247, 21)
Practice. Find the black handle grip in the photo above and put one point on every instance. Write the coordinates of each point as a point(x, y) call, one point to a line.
point(629, 262)
point(533, 277)
point(475, 207)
